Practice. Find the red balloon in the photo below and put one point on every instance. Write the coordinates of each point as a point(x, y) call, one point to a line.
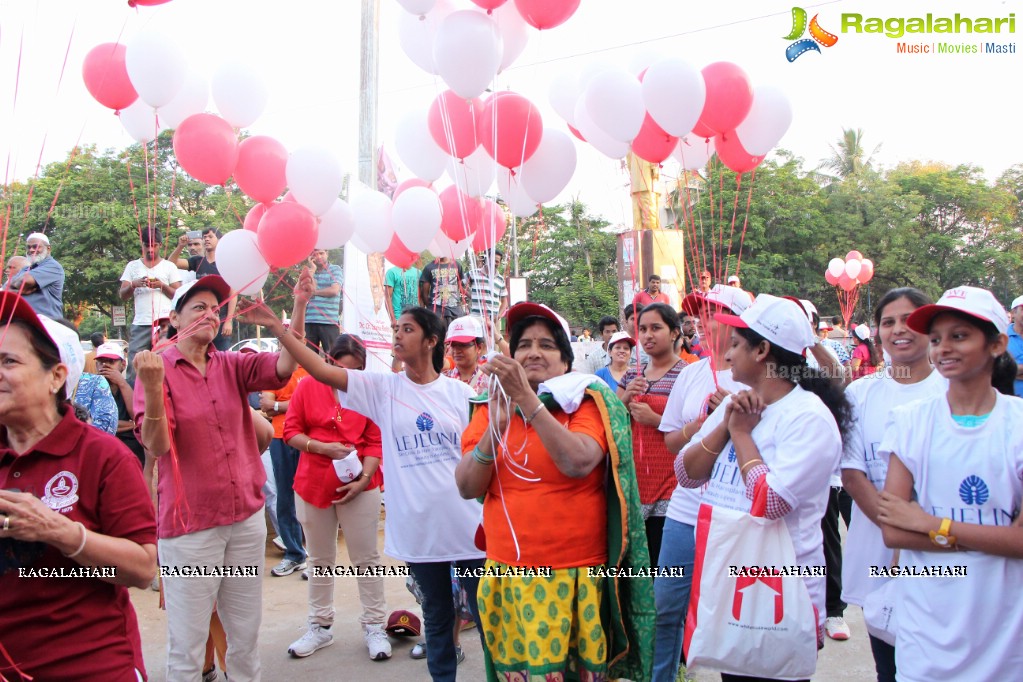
point(831, 279)
point(489, 5)
point(287, 234)
point(106, 76)
point(703, 131)
point(288, 196)
point(733, 154)
point(260, 169)
point(453, 122)
point(492, 226)
point(866, 271)
point(853, 255)
point(576, 132)
point(543, 14)
point(207, 148)
point(461, 213)
point(729, 96)
point(399, 254)
point(510, 128)
point(150, 3)
point(253, 217)
point(408, 184)
point(652, 143)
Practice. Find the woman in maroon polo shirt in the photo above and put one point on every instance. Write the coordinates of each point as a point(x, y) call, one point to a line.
point(76, 524)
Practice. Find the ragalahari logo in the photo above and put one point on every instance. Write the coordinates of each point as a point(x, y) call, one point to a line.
point(817, 35)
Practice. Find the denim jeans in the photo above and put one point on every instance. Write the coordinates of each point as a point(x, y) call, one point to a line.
point(434, 580)
point(285, 463)
point(671, 598)
point(884, 659)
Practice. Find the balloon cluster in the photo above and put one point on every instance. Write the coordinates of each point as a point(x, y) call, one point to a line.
point(849, 273)
point(670, 108)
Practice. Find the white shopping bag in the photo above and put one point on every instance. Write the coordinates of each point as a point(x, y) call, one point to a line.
point(748, 624)
point(349, 468)
point(879, 612)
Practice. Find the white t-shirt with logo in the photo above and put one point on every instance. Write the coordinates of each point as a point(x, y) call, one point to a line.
point(873, 400)
point(800, 443)
point(961, 628)
point(147, 300)
point(687, 402)
point(427, 519)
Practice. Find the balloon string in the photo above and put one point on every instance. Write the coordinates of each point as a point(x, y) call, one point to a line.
point(745, 222)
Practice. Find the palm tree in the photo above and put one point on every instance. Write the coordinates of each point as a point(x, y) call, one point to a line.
point(847, 158)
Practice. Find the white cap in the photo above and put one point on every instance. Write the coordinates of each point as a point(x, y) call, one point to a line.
point(114, 351)
point(464, 330)
point(1016, 302)
point(973, 301)
point(40, 236)
point(733, 298)
point(822, 325)
point(777, 320)
point(809, 307)
point(249, 347)
point(620, 336)
point(862, 332)
point(70, 349)
point(733, 278)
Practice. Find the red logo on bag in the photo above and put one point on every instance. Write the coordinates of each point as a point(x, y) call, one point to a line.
point(773, 582)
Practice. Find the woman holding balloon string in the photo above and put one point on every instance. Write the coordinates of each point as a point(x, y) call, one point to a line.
point(427, 525)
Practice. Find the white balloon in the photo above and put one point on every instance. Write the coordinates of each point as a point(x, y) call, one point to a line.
point(373, 227)
point(417, 7)
point(674, 93)
point(836, 266)
point(514, 33)
point(467, 51)
point(852, 268)
point(600, 140)
point(443, 246)
point(315, 177)
point(139, 120)
point(474, 175)
point(767, 121)
point(551, 167)
point(240, 262)
point(563, 95)
point(643, 60)
point(416, 34)
point(156, 67)
point(693, 151)
point(416, 147)
point(191, 99)
point(337, 226)
point(361, 245)
point(239, 93)
point(514, 194)
point(614, 101)
point(416, 216)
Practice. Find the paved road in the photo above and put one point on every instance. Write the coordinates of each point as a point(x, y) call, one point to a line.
point(284, 614)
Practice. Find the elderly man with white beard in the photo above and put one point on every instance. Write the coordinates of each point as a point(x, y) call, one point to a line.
point(41, 282)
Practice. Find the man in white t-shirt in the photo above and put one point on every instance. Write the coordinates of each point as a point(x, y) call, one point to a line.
point(151, 281)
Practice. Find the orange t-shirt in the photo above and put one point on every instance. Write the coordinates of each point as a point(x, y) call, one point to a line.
point(558, 521)
point(285, 394)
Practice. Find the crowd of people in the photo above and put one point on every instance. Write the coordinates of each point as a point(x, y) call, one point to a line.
point(558, 503)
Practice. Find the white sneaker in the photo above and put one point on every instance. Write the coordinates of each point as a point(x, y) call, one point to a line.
point(287, 567)
point(377, 643)
point(837, 628)
point(315, 638)
point(279, 544)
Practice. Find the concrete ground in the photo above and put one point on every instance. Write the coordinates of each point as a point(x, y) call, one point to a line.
point(284, 617)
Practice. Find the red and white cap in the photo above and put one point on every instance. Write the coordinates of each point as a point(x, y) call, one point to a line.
point(777, 320)
point(620, 336)
point(973, 301)
point(113, 351)
point(13, 306)
point(1016, 302)
point(521, 311)
point(733, 299)
point(733, 278)
point(464, 330)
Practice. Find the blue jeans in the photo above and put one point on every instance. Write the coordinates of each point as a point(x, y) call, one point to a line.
point(434, 580)
point(671, 598)
point(285, 463)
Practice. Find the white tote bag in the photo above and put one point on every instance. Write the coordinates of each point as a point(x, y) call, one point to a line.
point(758, 625)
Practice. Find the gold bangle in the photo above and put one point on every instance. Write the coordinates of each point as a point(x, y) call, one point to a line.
point(708, 449)
point(684, 434)
point(309, 446)
point(154, 419)
point(535, 412)
point(749, 464)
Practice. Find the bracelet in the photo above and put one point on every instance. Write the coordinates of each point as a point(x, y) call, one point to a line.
point(78, 551)
point(482, 457)
point(155, 419)
point(309, 446)
point(277, 406)
point(708, 449)
point(749, 464)
point(684, 434)
point(535, 412)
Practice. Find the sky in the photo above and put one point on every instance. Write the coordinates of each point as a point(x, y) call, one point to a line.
point(951, 108)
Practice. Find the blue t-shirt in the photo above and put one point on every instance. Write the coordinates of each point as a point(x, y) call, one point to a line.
point(325, 309)
point(1016, 350)
point(49, 277)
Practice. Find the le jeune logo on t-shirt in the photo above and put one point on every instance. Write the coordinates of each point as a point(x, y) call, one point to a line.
point(973, 491)
point(426, 446)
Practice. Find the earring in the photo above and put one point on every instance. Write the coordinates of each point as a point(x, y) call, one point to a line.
point(54, 391)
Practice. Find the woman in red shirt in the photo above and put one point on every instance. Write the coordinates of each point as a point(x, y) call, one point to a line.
point(324, 432)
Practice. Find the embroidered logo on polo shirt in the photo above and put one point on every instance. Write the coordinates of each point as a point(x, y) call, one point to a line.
point(973, 490)
point(61, 491)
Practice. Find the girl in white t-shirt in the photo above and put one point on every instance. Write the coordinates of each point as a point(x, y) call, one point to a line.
point(778, 442)
point(908, 377)
point(952, 499)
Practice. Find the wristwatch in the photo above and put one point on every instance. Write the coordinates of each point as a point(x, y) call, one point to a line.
point(941, 537)
point(277, 406)
point(364, 475)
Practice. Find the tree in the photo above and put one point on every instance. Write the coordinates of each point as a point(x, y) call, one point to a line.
point(847, 159)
